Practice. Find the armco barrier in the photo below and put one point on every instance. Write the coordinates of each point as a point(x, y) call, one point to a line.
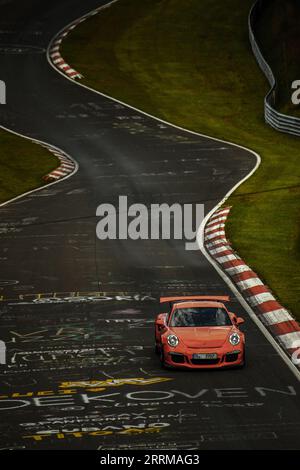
point(280, 122)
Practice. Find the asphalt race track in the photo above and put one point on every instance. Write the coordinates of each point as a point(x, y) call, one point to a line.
point(56, 390)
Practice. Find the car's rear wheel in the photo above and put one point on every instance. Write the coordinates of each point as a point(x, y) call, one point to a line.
point(162, 358)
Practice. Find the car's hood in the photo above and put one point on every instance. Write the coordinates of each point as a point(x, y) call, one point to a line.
point(203, 337)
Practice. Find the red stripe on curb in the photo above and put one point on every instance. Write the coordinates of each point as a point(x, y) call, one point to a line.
point(219, 213)
point(218, 237)
point(218, 244)
point(269, 306)
point(294, 350)
point(58, 61)
point(223, 253)
point(217, 229)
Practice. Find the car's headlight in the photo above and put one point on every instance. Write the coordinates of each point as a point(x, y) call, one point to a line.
point(172, 340)
point(234, 339)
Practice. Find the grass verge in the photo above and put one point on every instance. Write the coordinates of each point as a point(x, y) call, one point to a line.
point(22, 165)
point(191, 64)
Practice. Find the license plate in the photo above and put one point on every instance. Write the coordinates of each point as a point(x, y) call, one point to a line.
point(205, 356)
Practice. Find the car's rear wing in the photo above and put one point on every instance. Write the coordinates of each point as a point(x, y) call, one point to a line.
point(213, 298)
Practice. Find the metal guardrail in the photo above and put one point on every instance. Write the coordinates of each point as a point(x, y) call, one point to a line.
point(280, 122)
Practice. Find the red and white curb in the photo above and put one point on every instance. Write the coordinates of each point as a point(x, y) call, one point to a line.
point(273, 318)
point(66, 167)
point(58, 60)
point(55, 55)
point(54, 48)
point(278, 321)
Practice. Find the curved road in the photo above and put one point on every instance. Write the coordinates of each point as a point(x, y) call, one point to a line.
point(55, 389)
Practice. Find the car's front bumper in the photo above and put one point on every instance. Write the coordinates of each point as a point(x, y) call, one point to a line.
point(185, 359)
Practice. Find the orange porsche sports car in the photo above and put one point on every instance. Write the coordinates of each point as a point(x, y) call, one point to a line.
point(199, 332)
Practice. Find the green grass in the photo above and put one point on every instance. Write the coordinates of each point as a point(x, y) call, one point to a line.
point(278, 32)
point(190, 63)
point(22, 165)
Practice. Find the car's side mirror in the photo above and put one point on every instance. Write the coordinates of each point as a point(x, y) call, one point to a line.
point(240, 321)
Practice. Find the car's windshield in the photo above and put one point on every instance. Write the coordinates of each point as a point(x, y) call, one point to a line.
point(200, 316)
